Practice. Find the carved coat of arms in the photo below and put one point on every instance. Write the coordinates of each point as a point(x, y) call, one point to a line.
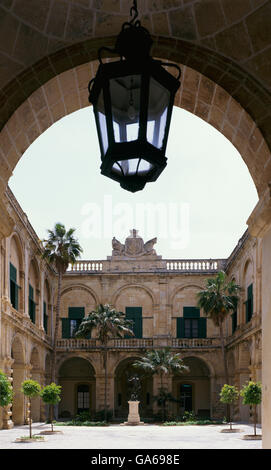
point(134, 246)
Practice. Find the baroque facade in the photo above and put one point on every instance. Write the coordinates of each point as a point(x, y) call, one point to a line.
point(158, 294)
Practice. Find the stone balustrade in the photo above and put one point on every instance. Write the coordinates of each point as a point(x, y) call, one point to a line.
point(199, 265)
point(135, 343)
point(168, 265)
point(86, 266)
point(195, 343)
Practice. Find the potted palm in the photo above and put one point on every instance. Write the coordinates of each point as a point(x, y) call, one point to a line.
point(218, 299)
point(161, 362)
point(60, 249)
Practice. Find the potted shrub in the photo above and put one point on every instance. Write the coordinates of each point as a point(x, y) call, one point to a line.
point(6, 396)
point(31, 389)
point(252, 395)
point(228, 395)
point(6, 393)
point(50, 395)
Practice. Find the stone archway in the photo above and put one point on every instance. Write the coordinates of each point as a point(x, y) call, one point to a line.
point(77, 379)
point(18, 376)
point(232, 50)
point(122, 388)
point(192, 389)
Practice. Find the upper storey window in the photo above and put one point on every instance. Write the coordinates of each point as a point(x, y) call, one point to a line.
point(249, 303)
point(14, 288)
point(191, 325)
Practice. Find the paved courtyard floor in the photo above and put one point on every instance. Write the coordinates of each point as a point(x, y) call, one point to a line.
point(133, 437)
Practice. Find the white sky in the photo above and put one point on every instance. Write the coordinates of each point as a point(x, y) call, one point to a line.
point(197, 208)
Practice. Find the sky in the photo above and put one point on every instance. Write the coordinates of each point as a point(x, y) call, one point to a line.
point(197, 208)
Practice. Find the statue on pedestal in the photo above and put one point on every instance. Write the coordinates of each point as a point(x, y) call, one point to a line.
point(135, 387)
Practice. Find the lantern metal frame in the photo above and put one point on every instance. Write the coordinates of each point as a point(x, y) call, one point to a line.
point(133, 44)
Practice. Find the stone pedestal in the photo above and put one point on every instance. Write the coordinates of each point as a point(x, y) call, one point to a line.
point(133, 416)
point(7, 422)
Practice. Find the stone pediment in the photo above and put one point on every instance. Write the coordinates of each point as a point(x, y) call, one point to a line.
point(134, 247)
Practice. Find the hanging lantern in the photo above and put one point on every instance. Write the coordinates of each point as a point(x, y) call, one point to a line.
point(132, 100)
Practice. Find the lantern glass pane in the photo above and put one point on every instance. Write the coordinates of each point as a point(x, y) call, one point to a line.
point(125, 102)
point(159, 98)
point(134, 166)
point(102, 121)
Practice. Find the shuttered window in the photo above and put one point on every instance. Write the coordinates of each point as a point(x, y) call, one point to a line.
point(135, 314)
point(234, 321)
point(14, 288)
point(45, 317)
point(191, 325)
point(71, 324)
point(31, 304)
point(249, 303)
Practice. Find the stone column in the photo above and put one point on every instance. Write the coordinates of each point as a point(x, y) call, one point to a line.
point(7, 413)
point(259, 224)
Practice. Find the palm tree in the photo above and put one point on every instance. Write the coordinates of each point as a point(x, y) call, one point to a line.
point(60, 250)
point(217, 300)
point(161, 362)
point(108, 323)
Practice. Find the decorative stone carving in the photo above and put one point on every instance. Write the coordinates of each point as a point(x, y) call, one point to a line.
point(134, 246)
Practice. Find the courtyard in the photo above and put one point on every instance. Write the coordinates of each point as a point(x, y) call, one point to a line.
point(133, 437)
point(52, 71)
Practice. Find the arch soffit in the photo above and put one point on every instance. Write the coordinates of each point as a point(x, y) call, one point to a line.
point(19, 245)
point(206, 362)
point(247, 261)
point(18, 338)
point(47, 285)
point(198, 94)
point(76, 356)
point(181, 288)
point(81, 287)
point(128, 358)
point(33, 261)
point(117, 294)
point(35, 359)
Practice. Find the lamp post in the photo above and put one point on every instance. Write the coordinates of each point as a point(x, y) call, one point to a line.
point(132, 100)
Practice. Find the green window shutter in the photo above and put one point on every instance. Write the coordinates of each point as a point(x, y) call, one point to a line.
point(249, 303)
point(31, 292)
point(135, 314)
point(32, 310)
point(14, 294)
point(76, 313)
point(13, 272)
point(14, 288)
point(31, 304)
point(45, 317)
point(191, 312)
point(65, 327)
point(247, 313)
point(234, 321)
point(202, 327)
point(180, 327)
point(250, 291)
